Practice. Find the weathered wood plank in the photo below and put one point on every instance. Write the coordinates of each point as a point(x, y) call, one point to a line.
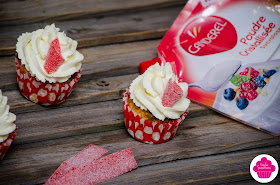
point(93, 113)
point(34, 162)
point(58, 122)
point(20, 12)
point(117, 61)
point(102, 61)
point(91, 91)
point(85, 92)
point(133, 26)
point(217, 169)
point(112, 60)
point(252, 181)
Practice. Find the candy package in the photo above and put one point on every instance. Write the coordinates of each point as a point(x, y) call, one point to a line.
point(227, 51)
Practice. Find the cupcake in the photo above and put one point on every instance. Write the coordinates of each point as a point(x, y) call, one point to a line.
point(264, 168)
point(155, 105)
point(48, 65)
point(7, 126)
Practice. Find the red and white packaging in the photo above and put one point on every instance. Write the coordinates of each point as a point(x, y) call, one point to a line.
point(43, 93)
point(217, 45)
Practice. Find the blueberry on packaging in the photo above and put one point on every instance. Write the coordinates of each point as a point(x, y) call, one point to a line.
point(242, 103)
point(259, 81)
point(269, 73)
point(229, 94)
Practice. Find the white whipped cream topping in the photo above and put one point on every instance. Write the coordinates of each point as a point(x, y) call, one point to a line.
point(7, 119)
point(147, 91)
point(32, 49)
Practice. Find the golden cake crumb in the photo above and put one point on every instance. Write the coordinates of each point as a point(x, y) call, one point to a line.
point(143, 113)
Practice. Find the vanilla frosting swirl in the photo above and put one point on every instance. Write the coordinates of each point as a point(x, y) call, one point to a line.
point(32, 49)
point(147, 91)
point(7, 119)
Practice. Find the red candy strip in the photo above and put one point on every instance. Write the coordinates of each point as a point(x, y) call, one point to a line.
point(143, 66)
point(85, 157)
point(103, 169)
point(172, 94)
point(54, 58)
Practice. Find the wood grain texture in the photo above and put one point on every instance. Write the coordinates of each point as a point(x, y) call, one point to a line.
point(76, 120)
point(217, 169)
point(208, 148)
point(197, 136)
point(252, 181)
point(19, 12)
point(99, 62)
point(107, 72)
point(133, 26)
point(45, 156)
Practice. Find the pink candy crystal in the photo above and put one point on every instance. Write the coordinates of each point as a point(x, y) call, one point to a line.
point(54, 58)
point(86, 156)
point(103, 169)
point(172, 94)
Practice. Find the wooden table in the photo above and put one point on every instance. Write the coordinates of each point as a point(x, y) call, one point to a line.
point(115, 36)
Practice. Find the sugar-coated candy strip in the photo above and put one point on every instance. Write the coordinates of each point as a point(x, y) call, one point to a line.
point(54, 57)
point(86, 156)
point(100, 170)
point(143, 66)
point(172, 94)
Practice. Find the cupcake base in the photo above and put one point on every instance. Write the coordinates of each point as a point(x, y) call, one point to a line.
point(152, 132)
point(264, 174)
point(43, 93)
point(4, 146)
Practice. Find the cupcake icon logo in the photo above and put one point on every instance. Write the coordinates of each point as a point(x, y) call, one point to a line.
point(264, 168)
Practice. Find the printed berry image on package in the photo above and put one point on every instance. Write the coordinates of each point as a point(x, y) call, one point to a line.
point(227, 51)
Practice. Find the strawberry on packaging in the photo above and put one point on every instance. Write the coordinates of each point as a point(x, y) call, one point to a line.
point(253, 73)
point(252, 95)
point(246, 86)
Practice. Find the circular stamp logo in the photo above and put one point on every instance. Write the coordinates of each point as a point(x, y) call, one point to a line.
point(264, 168)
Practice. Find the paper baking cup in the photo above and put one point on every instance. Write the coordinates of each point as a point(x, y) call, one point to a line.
point(43, 93)
point(148, 131)
point(4, 146)
point(264, 174)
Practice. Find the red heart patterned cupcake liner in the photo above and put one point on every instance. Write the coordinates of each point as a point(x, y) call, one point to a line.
point(149, 131)
point(43, 93)
point(4, 146)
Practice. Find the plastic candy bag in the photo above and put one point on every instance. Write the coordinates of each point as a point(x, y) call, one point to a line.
point(226, 50)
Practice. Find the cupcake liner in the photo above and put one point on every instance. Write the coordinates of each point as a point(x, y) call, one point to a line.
point(43, 93)
point(148, 131)
point(4, 146)
point(264, 174)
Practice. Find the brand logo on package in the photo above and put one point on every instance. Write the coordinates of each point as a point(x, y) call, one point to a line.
point(208, 35)
point(206, 2)
point(264, 168)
